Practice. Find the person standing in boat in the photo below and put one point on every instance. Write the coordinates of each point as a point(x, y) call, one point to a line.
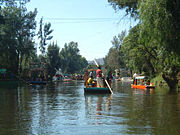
point(134, 78)
point(99, 77)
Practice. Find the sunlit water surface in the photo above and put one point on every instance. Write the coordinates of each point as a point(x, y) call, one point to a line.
point(64, 109)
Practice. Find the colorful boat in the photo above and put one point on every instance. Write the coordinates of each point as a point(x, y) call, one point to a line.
point(140, 84)
point(94, 89)
point(37, 76)
point(60, 77)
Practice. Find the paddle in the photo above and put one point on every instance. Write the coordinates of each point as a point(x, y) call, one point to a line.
point(104, 78)
point(61, 74)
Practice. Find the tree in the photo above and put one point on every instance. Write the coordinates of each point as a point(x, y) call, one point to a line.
point(111, 60)
point(53, 60)
point(44, 35)
point(71, 60)
point(153, 46)
point(130, 6)
point(160, 19)
point(114, 59)
point(17, 36)
point(139, 55)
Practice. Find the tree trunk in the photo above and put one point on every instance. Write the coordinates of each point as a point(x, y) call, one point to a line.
point(20, 63)
point(151, 68)
point(17, 63)
point(171, 80)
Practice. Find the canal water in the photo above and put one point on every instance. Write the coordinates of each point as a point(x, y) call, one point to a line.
point(64, 109)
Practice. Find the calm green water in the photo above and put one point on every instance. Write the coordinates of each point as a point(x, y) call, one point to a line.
point(64, 109)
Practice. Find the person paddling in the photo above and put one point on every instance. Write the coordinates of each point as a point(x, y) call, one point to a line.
point(99, 77)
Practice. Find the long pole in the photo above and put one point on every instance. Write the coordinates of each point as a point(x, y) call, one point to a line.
point(104, 78)
point(60, 73)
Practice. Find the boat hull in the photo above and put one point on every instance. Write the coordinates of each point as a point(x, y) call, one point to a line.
point(142, 86)
point(38, 82)
point(97, 90)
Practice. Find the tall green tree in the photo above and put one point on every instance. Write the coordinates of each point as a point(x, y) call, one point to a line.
point(53, 59)
point(160, 19)
point(114, 59)
point(157, 37)
point(71, 60)
point(44, 35)
point(137, 54)
point(17, 35)
point(111, 60)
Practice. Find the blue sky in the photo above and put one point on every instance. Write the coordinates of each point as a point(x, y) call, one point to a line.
point(91, 23)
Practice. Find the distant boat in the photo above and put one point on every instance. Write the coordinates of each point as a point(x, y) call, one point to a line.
point(37, 76)
point(38, 82)
point(140, 84)
point(59, 77)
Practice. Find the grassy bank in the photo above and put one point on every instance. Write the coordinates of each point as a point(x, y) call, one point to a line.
point(158, 81)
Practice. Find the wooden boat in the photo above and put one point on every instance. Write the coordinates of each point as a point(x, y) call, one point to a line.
point(97, 90)
point(59, 77)
point(67, 80)
point(37, 76)
point(38, 82)
point(139, 83)
point(94, 89)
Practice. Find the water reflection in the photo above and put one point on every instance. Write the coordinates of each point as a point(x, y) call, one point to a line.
point(102, 103)
point(143, 92)
point(37, 87)
point(63, 108)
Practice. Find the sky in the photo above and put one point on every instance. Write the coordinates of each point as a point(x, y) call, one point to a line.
point(90, 23)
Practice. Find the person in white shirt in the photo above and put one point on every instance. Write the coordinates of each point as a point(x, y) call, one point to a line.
point(134, 77)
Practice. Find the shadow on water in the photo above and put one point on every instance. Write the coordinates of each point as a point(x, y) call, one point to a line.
point(11, 84)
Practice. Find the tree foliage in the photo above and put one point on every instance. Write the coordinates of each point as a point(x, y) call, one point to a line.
point(153, 46)
point(161, 20)
point(71, 60)
point(114, 58)
point(44, 35)
point(17, 34)
point(53, 59)
point(130, 6)
point(18, 52)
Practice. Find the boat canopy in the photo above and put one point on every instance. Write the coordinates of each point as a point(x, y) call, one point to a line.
point(140, 77)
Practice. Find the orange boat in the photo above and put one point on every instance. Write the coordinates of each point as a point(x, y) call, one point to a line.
point(140, 84)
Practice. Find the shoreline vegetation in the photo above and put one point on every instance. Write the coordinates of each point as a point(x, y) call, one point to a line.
point(159, 81)
point(152, 46)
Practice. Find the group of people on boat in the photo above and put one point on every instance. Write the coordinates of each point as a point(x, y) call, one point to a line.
point(135, 80)
point(37, 75)
point(100, 79)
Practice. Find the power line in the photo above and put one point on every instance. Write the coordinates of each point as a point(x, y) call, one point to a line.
point(82, 19)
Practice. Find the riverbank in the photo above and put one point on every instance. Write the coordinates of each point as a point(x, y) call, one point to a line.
point(159, 81)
